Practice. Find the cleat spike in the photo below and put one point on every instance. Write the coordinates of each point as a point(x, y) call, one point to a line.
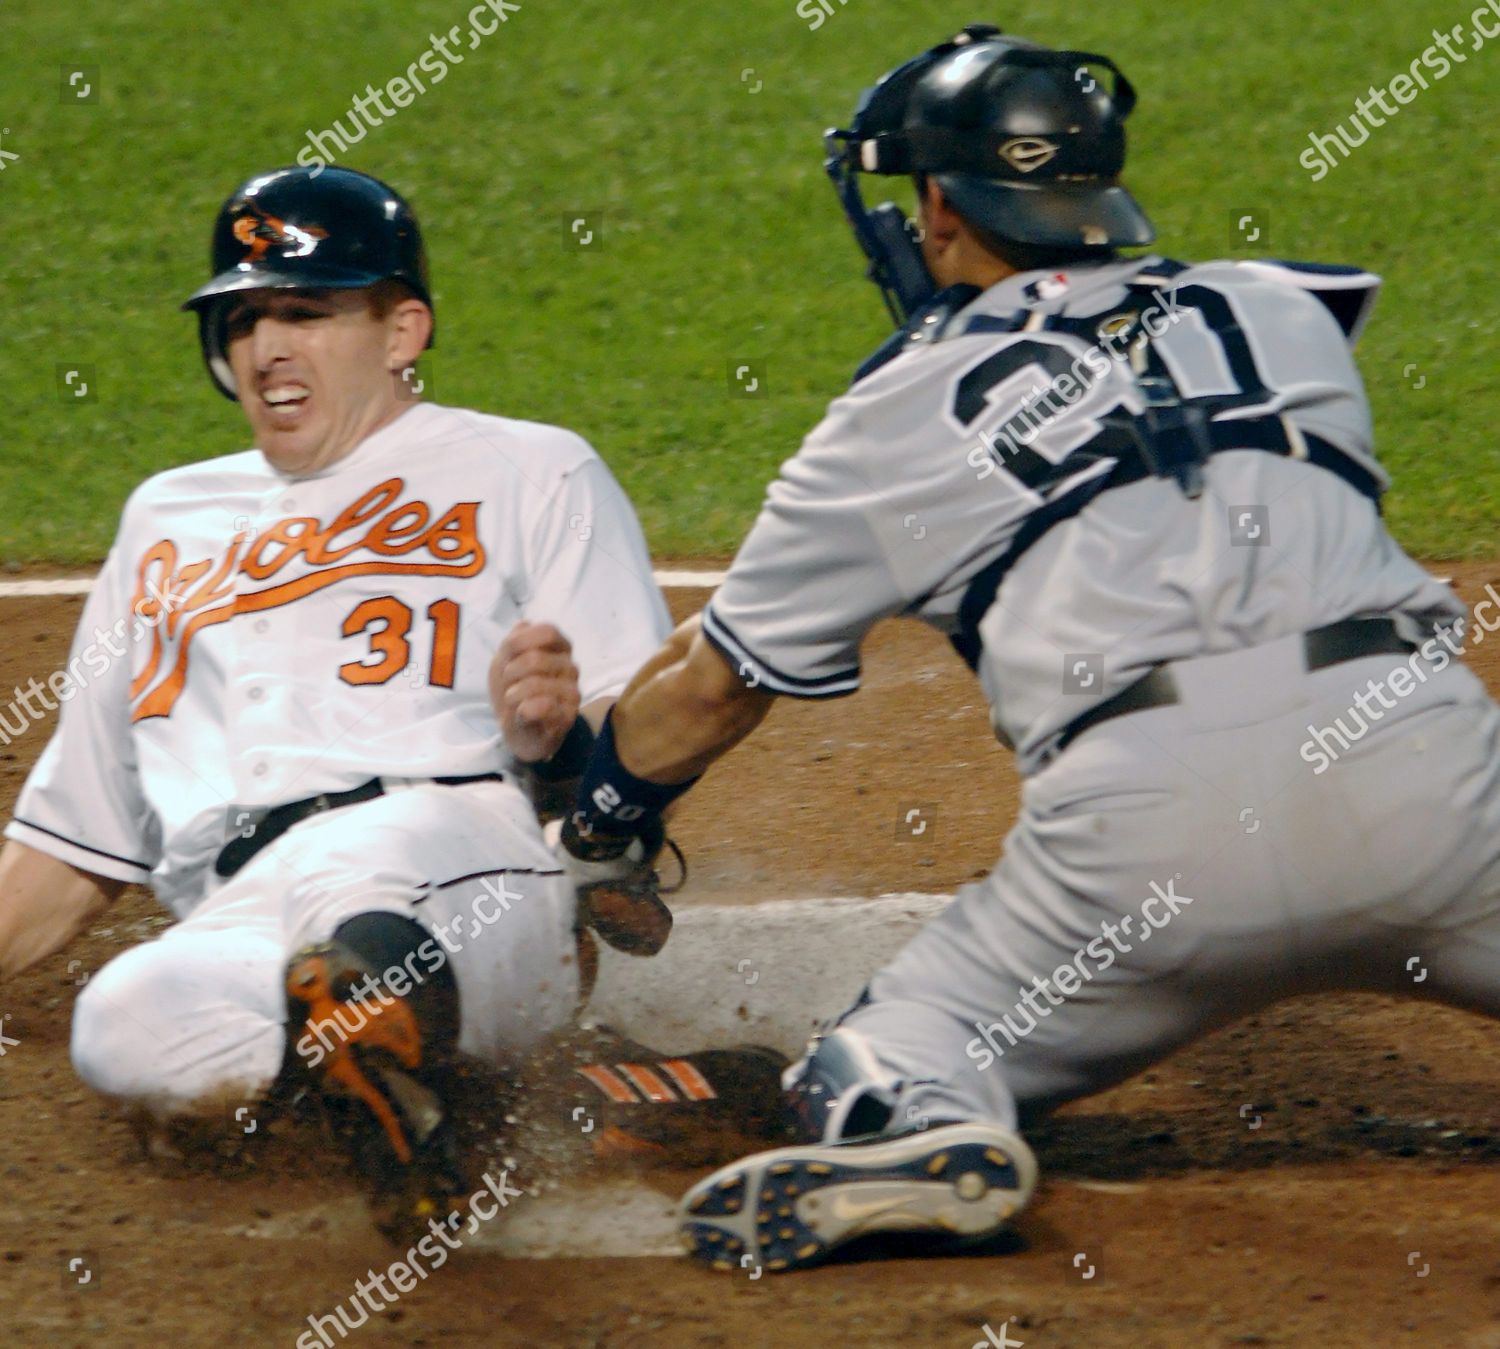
point(956, 1180)
point(971, 1186)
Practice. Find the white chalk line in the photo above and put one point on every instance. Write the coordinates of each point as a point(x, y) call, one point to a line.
point(619, 1219)
point(81, 585)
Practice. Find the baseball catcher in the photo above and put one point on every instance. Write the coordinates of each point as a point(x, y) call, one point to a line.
point(1140, 495)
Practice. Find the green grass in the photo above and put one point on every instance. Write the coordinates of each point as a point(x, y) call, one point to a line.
point(721, 239)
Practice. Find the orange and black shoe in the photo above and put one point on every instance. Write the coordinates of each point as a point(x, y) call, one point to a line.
point(382, 1067)
point(679, 1109)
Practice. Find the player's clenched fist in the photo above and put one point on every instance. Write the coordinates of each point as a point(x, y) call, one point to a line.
point(534, 689)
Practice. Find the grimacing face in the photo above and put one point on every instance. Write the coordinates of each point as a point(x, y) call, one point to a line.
point(317, 371)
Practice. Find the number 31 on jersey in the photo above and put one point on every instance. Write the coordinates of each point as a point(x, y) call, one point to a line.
point(386, 622)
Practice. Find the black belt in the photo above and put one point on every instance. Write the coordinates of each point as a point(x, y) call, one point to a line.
point(274, 823)
point(1348, 639)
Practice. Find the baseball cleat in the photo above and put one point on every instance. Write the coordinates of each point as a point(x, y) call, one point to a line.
point(692, 1109)
point(793, 1207)
point(379, 1076)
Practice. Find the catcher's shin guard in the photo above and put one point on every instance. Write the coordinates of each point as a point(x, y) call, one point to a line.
point(381, 1064)
point(839, 1089)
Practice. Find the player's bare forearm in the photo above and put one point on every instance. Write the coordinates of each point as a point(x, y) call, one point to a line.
point(44, 904)
point(684, 709)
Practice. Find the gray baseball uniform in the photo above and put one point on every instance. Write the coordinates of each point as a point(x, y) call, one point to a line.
point(1184, 864)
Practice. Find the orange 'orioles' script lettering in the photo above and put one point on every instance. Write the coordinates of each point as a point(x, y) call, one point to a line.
point(386, 529)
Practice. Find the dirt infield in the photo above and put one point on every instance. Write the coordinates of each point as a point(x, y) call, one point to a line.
point(1324, 1175)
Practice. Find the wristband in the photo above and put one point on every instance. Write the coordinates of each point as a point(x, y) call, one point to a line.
point(571, 757)
point(612, 800)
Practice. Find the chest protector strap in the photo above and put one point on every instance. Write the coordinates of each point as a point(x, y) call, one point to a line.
point(1174, 435)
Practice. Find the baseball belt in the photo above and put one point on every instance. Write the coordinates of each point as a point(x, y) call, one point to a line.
point(1332, 644)
point(271, 826)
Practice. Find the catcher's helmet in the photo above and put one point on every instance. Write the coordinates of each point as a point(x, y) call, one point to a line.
point(1024, 141)
point(305, 229)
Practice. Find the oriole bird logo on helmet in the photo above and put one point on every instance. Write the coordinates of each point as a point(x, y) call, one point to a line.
point(259, 231)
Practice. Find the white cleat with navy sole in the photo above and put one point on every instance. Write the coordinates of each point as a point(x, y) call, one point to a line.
point(794, 1207)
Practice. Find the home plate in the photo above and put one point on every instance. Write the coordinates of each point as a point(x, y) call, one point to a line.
point(733, 974)
point(620, 1218)
point(615, 1218)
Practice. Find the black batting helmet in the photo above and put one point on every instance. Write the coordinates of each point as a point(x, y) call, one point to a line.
point(305, 229)
point(1025, 142)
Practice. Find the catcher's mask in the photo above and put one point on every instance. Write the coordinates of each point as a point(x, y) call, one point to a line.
point(1024, 141)
point(305, 229)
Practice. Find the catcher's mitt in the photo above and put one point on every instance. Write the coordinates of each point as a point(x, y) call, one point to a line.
point(619, 891)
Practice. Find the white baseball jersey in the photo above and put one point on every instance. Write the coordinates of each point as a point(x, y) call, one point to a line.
point(928, 469)
point(278, 638)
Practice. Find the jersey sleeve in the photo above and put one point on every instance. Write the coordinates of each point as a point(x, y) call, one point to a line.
point(83, 803)
point(910, 487)
point(815, 572)
point(591, 577)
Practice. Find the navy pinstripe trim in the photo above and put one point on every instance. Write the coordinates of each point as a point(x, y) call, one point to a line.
point(758, 673)
point(476, 875)
point(83, 847)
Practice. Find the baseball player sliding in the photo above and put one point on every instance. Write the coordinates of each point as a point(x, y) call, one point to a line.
point(299, 751)
point(1141, 498)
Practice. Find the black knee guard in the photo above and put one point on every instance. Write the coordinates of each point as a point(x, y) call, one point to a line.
point(387, 942)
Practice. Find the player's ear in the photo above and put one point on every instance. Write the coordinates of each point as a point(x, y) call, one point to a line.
point(938, 220)
point(941, 227)
point(408, 328)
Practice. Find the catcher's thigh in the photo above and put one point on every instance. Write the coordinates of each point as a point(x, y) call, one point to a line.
point(1180, 868)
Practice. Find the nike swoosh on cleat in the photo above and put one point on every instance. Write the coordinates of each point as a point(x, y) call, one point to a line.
point(848, 1209)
